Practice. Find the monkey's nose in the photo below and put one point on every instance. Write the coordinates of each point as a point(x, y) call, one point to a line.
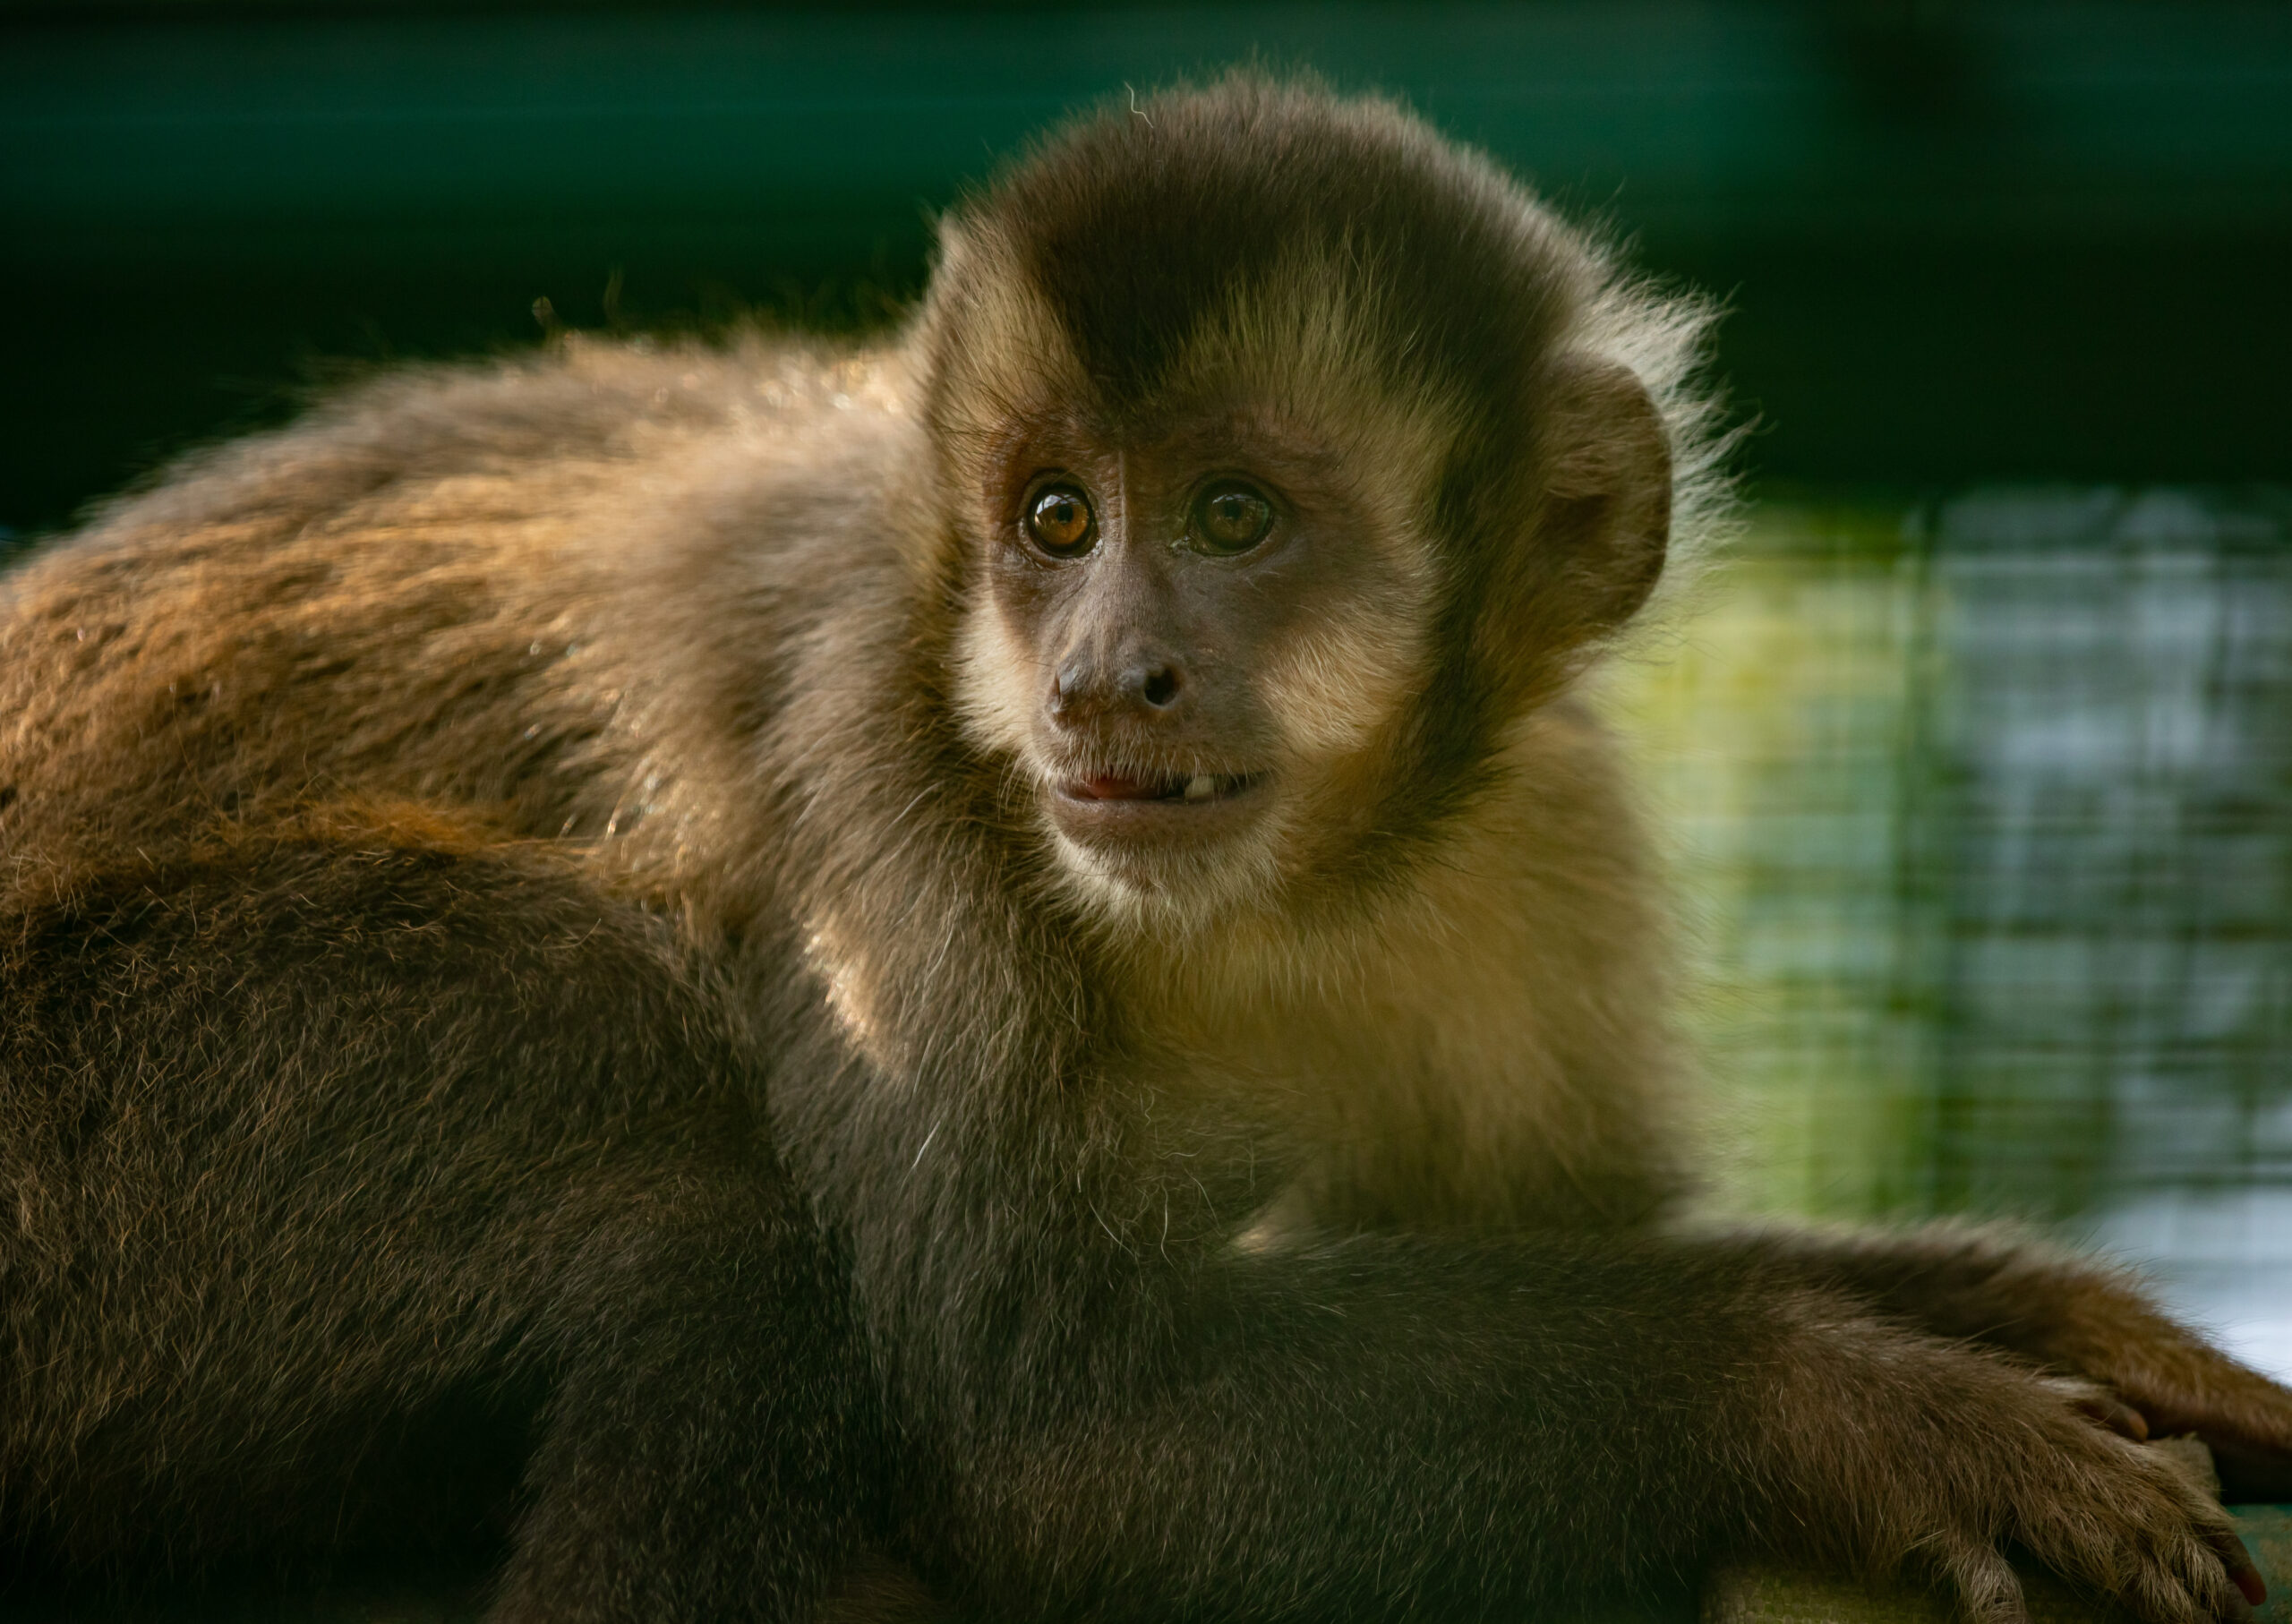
point(1148, 688)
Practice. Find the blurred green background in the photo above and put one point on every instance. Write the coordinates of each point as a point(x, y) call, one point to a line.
point(1977, 762)
point(1982, 806)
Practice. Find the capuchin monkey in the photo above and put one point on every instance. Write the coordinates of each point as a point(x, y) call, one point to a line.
point(1104, 776)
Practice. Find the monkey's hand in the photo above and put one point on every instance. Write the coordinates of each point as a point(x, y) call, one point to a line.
point(2175, 1382)
point(1901, 1453)
point(2070, 1315)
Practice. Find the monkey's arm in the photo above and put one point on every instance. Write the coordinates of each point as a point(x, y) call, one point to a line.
point(356, 1175)
point(1391, 1427)
point(2064, 1312)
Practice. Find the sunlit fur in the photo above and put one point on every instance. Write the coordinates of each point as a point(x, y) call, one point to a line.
point(1291, 1230)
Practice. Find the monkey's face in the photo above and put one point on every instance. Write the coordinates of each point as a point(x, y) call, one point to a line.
point(1278, 482)
point(1191, 640)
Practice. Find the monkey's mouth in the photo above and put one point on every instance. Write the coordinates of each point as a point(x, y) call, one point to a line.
point(1189, 788)
point(1140, 812)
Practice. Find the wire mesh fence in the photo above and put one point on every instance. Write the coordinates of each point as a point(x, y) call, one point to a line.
point(1983, 815)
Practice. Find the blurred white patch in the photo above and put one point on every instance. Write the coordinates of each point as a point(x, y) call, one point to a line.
point(2221, 1259)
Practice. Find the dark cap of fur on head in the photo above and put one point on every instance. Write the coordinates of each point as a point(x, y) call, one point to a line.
point(1136, 223)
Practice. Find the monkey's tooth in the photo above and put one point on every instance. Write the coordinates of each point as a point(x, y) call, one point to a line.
point(1201, 786)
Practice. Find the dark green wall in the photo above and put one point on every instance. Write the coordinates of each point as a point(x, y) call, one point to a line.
point(1997, 241)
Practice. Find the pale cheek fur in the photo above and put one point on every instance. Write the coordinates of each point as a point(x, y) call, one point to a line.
point(1334, 688)
point(997, 684)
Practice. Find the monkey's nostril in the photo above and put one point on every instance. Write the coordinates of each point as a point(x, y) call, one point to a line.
point(1162, 687)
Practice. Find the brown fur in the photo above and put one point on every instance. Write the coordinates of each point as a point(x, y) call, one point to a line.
point(335, 1199)
point(1270, 1230)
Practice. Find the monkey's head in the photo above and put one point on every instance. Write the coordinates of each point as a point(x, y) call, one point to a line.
point(1288, 456)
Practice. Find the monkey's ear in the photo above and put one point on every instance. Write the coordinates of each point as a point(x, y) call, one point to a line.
point(1606, 464)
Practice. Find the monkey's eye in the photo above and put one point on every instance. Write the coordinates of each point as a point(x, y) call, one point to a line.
point(1231, 517)
point(1059, 521)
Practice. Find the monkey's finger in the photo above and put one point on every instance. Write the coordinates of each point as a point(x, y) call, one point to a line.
point(2236, 1609)
point(1982, 1583)
point(2234, 1604)
point(2238, 1561)
point(2219, 1398)
point(2114, 1414)
point(2251, 1443)
point(2184, 1586)
point(2209, 1570)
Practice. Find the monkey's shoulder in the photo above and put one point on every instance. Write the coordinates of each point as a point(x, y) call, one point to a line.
point(504, 587)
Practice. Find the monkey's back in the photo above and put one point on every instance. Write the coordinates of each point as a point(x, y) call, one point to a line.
point(441, 590)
